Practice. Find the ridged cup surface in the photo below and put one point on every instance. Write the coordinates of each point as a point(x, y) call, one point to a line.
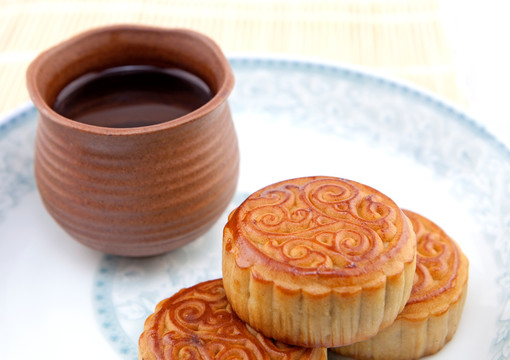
point(135, 191)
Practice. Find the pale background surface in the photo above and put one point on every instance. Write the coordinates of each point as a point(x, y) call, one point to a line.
point(458, 50)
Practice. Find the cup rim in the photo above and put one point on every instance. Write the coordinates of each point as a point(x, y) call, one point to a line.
point(46, 110)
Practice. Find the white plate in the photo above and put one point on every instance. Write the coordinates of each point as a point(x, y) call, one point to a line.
point(60, 300)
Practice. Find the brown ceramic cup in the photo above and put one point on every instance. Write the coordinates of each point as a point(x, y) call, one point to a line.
point(143, 190)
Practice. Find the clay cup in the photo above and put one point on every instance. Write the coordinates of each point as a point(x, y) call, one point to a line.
point(144, 190)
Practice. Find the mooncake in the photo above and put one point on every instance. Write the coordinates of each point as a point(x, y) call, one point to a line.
point(198, 323)
point(432, 314)
point(318, 261)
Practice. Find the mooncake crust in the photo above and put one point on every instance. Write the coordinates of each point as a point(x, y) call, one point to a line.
point(318, 261)
point(433, 312)
point(198, 323)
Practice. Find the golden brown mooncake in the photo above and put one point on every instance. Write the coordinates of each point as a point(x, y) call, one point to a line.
point(198, 323)
point(432, 314)
point(318, 261)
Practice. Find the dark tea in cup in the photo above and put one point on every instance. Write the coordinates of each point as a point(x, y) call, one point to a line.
point(132, 96)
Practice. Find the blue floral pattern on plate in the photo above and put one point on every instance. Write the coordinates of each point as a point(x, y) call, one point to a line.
point(16, 158)
point(320, 98)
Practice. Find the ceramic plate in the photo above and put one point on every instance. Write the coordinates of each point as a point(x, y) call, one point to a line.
point(60, 300)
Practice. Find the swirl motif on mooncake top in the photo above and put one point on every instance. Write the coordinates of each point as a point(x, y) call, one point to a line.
point(432, 314)
point(198, 323)
point(323, 224)
point(437, 260)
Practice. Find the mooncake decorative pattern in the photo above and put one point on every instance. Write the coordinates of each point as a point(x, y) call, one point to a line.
point(437, 263)
point(318, 261)
point(433, 312)
point(329, 225)
point(198, 323)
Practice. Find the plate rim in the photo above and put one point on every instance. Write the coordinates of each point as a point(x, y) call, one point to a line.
point(27, 111)
point(404, 86)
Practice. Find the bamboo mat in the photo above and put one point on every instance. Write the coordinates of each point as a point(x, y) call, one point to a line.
point(397, 37)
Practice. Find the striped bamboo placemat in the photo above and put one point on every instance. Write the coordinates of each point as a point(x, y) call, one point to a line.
point(398, 37)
